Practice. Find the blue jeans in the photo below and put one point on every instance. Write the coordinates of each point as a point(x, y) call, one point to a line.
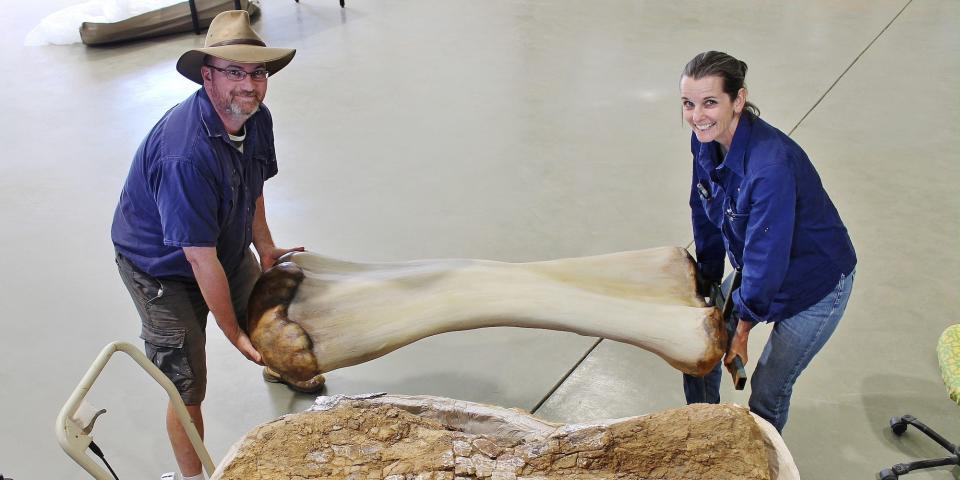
point(792, 344)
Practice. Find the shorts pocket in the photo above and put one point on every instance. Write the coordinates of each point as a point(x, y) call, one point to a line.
point(149, 290)
point(157, 295)
point(163, 337)
point(164, 347)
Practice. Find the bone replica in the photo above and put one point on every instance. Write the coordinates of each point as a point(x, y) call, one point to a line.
point(396, 437)
point(313, 314)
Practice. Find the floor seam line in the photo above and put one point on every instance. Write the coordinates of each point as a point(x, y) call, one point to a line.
point(565, 376)
point(854, 62)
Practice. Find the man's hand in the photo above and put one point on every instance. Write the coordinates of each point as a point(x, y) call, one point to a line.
point(738, 346)
point(269, 257)
point(216, 292)
point(243, 344)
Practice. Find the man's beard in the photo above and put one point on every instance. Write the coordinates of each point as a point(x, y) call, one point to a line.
point(231, 104)
point(238, 110)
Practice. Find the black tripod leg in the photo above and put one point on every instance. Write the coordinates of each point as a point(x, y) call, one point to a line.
point(193, 17)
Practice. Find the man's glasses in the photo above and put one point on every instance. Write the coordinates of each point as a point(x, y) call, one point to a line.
point(237, 74)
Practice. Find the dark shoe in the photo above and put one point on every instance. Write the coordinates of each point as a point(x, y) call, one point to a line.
point(313, 385)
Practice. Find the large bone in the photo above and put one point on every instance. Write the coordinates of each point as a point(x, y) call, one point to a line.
point(397, 437)
point(314, 314)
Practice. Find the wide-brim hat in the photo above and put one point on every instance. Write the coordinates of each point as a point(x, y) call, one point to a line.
point(231, 38)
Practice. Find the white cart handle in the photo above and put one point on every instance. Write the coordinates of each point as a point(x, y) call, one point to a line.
point(73, 437)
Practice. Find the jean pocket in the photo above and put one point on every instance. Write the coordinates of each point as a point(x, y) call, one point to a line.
point(838, 297)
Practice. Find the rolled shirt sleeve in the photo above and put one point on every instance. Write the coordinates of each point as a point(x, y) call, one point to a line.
point(768, 240)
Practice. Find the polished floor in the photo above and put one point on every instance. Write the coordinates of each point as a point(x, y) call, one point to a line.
point(501, 129)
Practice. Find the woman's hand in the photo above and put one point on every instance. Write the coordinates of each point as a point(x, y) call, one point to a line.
point(269, 257)
point(738, 346)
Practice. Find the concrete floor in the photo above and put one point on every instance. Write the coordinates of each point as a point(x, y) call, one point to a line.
point(509, 130)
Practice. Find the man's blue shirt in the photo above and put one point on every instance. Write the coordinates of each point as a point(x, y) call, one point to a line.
point(765, 206)
point(189, 186)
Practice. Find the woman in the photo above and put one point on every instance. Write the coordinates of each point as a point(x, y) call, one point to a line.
point(757, 198)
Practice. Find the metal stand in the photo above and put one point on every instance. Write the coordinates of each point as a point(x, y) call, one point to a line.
point(193, 17)
point(75, 428)
point(196, 20)
point(899, 427)
point(341, 2)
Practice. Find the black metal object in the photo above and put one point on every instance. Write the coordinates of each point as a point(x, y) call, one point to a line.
point(193, 16)
point(196, 19)
point(96, 450)
point(899, 427)
point(341, 2)
point(196, 23)
point(723, 299)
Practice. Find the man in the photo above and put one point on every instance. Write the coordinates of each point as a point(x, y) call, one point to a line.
point(190, 208)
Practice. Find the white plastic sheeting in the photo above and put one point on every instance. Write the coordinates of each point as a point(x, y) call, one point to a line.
point(63, 26)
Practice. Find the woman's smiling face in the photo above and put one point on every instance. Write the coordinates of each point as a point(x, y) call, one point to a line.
point(709, 111)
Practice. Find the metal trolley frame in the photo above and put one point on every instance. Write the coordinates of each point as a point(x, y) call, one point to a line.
point(74, 425)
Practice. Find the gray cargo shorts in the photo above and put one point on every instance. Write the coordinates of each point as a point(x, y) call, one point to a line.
point(173, 318)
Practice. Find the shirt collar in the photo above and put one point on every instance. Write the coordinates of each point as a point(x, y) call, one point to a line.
point(710, 152)
point(738, 147)
point(208, 116)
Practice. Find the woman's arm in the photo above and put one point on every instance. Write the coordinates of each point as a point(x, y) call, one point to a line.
point(707, 237)
point(768, 240)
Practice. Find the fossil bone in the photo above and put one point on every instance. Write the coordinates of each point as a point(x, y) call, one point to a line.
point(397, 437)
point(313, 314)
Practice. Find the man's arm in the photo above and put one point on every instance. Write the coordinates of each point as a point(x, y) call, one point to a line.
point(216, 292)
point(263, 240)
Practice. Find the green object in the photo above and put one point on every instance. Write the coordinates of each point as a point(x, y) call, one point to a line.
point(948, 354)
